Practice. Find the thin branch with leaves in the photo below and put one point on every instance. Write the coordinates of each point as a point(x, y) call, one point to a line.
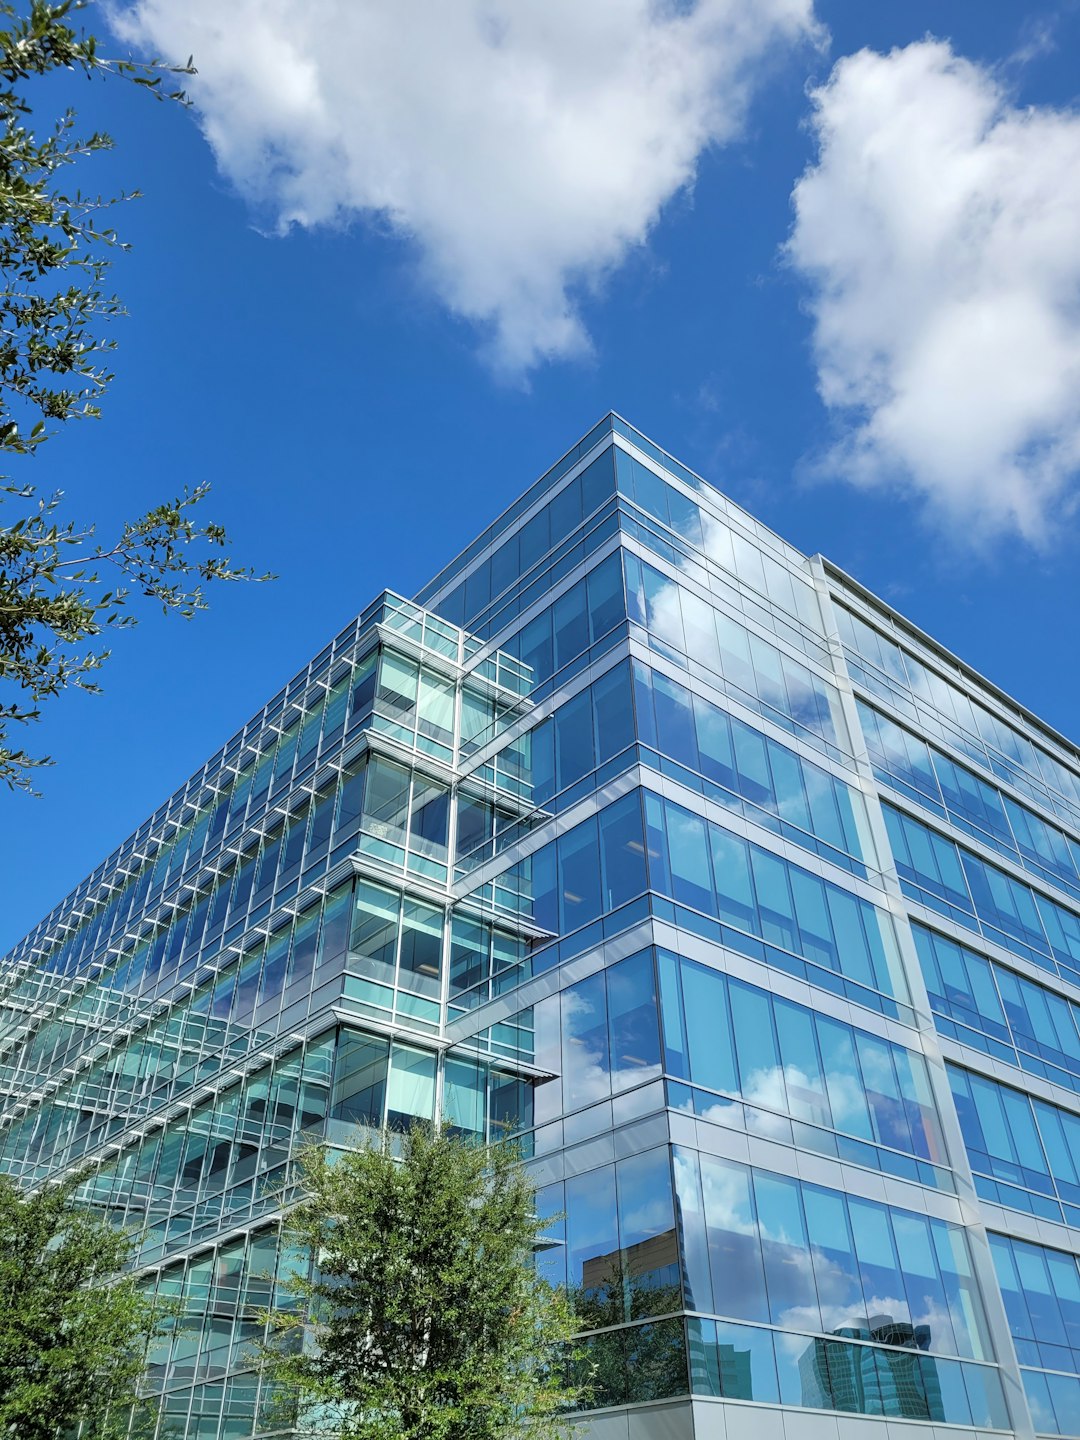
point(56, 250)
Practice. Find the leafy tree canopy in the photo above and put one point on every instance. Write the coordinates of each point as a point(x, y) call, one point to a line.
point(73, 1328)
point(56, 248)
point(425, 1318)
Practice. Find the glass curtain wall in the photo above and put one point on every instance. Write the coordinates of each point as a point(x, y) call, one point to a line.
point(750, 913)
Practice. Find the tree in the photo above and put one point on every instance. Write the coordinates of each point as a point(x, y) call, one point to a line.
point(425, 1318)
point(55, 254)
point(73, 1328)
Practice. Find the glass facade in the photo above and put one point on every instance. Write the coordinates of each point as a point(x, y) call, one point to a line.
point(752, 913)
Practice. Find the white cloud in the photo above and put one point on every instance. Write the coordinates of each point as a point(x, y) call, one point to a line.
point(940, 233)
point(524, 148)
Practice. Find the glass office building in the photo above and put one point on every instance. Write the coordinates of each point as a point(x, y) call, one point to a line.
point(749, 908)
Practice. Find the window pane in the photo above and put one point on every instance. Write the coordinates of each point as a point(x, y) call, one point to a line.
point(374, 930)
point(635, 1041)
point(463, 1097)
point(789, 1280)
point(688, 851)
point(708, 1028)
point(386, 804)
point(421, 947)
point(592, 1240)
point(430, 821)
point(579, 876)
point(570, 625)
point(606, 605)
point(302, 958)
point(622, 851)
point(734, 1248)
point(410, 1094)
point(832, 1251)
point(398, 680)
point(359, 1079)
point(573, 739)
point(436, 708)
point(586, 1058)
point(647, 1238)
point(613, 713)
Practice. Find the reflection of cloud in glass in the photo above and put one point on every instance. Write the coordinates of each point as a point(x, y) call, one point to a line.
point(877, 1068)
point(800, 1317)
point(717, 541)
point(847, 1102)
point(791, 1346)
point(721, 1112)
point(577, 1006)
point(586, 1077)
point(686, 837)
point(686, 1181)
point(929, 1311)
point(590, 1081)
point(665, 615)
point(766, 1087)
point(896, 1308)
point(727, 1200)
point(1042, 1417)
point(649, 1218)
point(838, 1289)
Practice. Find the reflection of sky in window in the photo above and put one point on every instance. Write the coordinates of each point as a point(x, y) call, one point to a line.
point(810, 1258)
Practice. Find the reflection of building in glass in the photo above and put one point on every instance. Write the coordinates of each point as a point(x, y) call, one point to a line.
point(646, 1265)
point(735, 1371)
point(868, 1380)
point(606, 838)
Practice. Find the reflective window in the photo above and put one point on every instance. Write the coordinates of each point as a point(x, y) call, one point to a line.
point(955, 882)
point(420, 960)
point(592, 1233)
point(783, 1058)
point(499, 577)
point(375, 929)
point(574, 752)
point(305, 938)
point(361, 698)
point(410, 1090)
point(1054, 1401)
point(807, 1258)
point(1025, 1152)
point(429, 821)
point(721, 542)
point(463, 1097)
point(710, 869)
point(1041, 1290)
point(359, 1090)
point(648, 1246)
point(386, 802)
point(848, 944)
point(944, 709)
point(982, 1004)
point(632, 1019)
point(752, 669)
point(483, 960)
point(579, 618)
point(622, 1249)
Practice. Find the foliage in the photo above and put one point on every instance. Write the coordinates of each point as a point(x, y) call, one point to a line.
point(55, 254)
point(425, 1319)
point(630, 1363)
point(73, 1329)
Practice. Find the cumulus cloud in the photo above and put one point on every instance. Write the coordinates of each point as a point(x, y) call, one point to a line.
point(939, 231)
point(523, 149)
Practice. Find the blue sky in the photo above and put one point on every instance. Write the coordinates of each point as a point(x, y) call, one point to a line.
point(398, 258)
